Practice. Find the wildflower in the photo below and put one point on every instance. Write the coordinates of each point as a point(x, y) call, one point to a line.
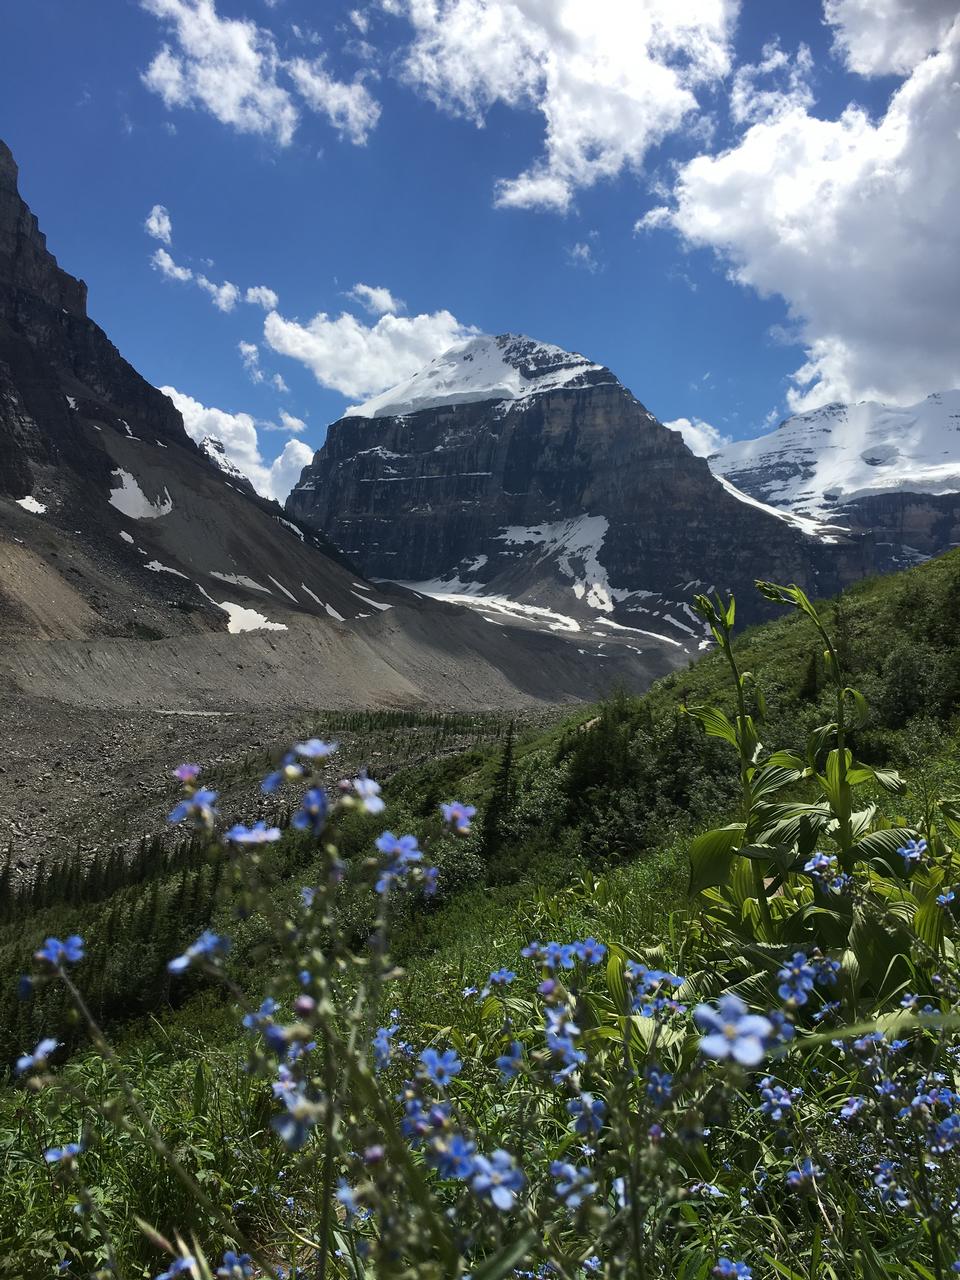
point(259, 833)
point(588, 1113)
point(57, 1155)
point(912, 853)
point(307, 895)
point(825, 970)
point(458, 816)
point(290, 769)
point(571, 1184)
point(38, 1058)
point(558, 955)
point(402, 854)
point(827, 1011)
point(312, 814)
point(294, 1125)
point(209, 945)
point(55, 952)
point(368, 793)
point(453, 1156)
point(253, 1021)
point(659, 1086)
point(821, 865)
point(314, 749)
point(347, 1197)
point(235, 1266)
point(187, 772)
point(891, 1193)
point(796, 979)
point(501, 977)
point(590, 951)
point(533, 951)
point(802, 1179)
point(440, 1067)
point(177, 1268)
point(776, 1101)
point(729, 1270)
point(497, 1178)
point(508, 1063)
point(733, 1032)
point(197, 807)
point(944, 899)
point(561, 1032)
point(382, 1048)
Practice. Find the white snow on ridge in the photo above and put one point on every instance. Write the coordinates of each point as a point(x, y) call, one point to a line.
point(816, 461)
point(157, 567)
point(483, 368)
point(575, 544)
point(243, 619)
point(816, 528)
point(130, 500)
point(31, 504)
point(238, 580)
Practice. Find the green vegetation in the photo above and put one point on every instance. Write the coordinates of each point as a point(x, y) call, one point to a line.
point(724, 780)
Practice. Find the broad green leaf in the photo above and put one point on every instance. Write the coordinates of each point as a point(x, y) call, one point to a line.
point(861, 710)
point(715, 723)
point(711, 855)
point(950, 808)
point(928, 923)
point(883, 844)
point(772, 778)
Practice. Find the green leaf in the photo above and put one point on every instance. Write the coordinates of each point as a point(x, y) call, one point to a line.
point(950, 808)
point(711, 855)
point(928, 923)
point(715, 723)
point(883, 844)
point(861, 709)
point(772, 778)
point(616, 982)
point(890, 780)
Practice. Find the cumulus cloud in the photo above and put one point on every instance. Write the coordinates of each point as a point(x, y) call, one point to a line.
point(376, 299)
point(882, 37)
point(237, 432)
point(853, 222)
point(610, 77)
point(350, 108)
point(278, 382)
point(163, 263)
point(250, 355)
point(224, 296)
point(357, 359)
point(158, 224)
point(287, 423)
point(699, 436)
point(232, 68)
point(261, 296)
point(773, 86)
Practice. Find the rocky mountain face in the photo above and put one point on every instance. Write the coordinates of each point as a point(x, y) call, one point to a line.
point(140, 570)
point(525, 479)
point(887, 472)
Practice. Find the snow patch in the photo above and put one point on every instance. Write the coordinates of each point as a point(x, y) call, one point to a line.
point(156, 567)
point(304, 587)
point(126, 536)
point(333, 613)
point(31, 504)
point(376, 604)
point(281, 587)
point(130, 500)
point(238, 580)
point(243, 619)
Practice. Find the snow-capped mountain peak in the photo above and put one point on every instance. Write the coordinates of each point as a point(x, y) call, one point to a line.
point(817, 462)
point(506, 367)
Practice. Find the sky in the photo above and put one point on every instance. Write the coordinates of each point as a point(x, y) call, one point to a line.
point(745, 208)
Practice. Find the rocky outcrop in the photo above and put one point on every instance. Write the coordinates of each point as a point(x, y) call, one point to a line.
point(573, 497)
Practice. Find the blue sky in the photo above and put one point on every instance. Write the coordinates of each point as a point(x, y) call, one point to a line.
point(730, 193)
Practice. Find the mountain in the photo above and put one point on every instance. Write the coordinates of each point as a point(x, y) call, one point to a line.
point(888, 471)
point(528, 482)
point(140, 570)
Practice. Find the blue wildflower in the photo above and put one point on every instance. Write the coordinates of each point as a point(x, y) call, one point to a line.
point(209, 946)
point(197, 807)
point(452, 1155)
point(402, 854)
point(501, 977)
point(187, 772)
point(732, 1031)
point(944, 899)
point(891, 1193)
point(368, 793)
point(57, 1155)
point(259, 833)
point(775, 1100)
point(235, 1266)
point(38, 1058)
point(726, 1269)
point(177, 1268)
point(347, 1197)
point(440, 1067)
point(588, 1113)
point(253, 1021)
point(458, 816)
point(659, 1087)
point(312, 814)
point(571, 1184)
point(509, 1063)
point(498, 1179)
point(382, 1048)
point(290, 769)
point(796, 979)
point(55, 952)
point(803, 1179)
point(912, 853)
point(561, 1033)
point(590, 951)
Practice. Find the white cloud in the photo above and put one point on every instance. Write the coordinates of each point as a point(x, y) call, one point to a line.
point(238, 434)
point(880, 37)
point(350, 108)
point(225, 65)
point(278, 382)
point(287, 423)
point(359, 360)
point(225, 296)
point(788, 87)
point(582, 255)
point(699, 436)
point(250, 355)
point(854, 223)
point(376, 299)
point(611, 77)
point(360, 20)
point(158, 224)
point(163, 263)
point(261, 296)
